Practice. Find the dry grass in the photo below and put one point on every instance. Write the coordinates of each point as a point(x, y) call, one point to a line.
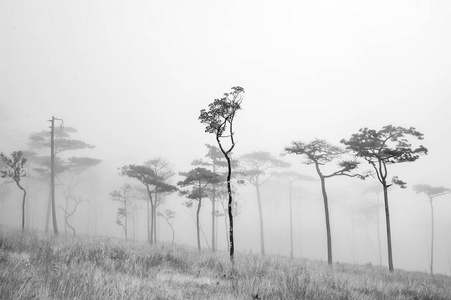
point(33, 267)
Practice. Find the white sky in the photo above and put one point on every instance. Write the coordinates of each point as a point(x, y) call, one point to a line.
point(132, 76)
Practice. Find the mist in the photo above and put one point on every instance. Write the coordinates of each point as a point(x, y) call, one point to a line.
point(131, 78)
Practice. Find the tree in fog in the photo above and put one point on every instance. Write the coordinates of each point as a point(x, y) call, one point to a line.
point(70, 175)
point(380, 148)
point(375, 208)
point(200, 180)
point(163, 171)
point(319, 153)
point(152, 183)
point(62, 143)
point(218, 120)
point(252, 167)
point(169, 216)
point(216, 161)
point(291, 177)
point(122, 196)
point(14, 168)
point(222, 197)
point(431, 192)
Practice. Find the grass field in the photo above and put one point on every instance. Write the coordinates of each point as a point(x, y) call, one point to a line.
point(36, 267)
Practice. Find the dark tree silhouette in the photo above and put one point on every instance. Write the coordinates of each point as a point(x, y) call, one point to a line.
point(216, 161)
point(431, 192)
point(291, 177)
point(200, 179)
point(153, 183)
point(218, 119)
point(320, 152)
point(14, 168)
point(122, 196)
point(253, 166)
point(169, 215)
point(383, 147)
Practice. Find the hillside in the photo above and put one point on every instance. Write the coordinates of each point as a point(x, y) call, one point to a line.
point(34, 267)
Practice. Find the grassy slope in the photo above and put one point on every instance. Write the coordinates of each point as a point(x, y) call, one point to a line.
point(32, 267)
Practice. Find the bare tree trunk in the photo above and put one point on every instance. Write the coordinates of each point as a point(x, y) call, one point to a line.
point(213, 208)
point(432, 237)
point(326, 213)
point(23, 205)
point(262, 238)
point(52, 177)
point(148, 222)
point(47, 217)
point(197, 224)
point(291, 224)
point(387, 220)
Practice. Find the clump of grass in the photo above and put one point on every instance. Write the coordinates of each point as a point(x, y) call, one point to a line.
point(33, 267)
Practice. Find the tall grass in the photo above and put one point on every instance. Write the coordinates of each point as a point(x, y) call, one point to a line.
point(33, 267)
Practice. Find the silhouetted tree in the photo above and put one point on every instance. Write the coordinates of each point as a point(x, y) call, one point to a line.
point(253, 166)
point(431, 192)
point(320, 152)
point(199, 179)
point(383, 147)
point(152, 182)
point(218, 119)
point(122, 196)
point(291, 177)
point(216, 161)
point(169, 215)
point(14, 168)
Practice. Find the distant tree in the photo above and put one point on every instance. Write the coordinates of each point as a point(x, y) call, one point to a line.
point(431, 192)
point(252, 167)
point(218, 119)
point(169, 215)
point(61, 143)
point(320, 152)
point(70, 175)
point(375, 208)
point(199, 179)
point(123, 197)
point(14, 168)
point(152, 183)
point(163, 171)
point(291, 177)
point(383, 147)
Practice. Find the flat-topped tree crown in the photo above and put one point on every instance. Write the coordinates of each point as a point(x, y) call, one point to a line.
point(431, 191)
point(390, 144)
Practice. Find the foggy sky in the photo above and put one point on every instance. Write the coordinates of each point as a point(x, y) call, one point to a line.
point(132, 78)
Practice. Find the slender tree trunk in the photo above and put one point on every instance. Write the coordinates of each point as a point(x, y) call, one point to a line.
point(173, 232)
point(66, 207)
point(126, 220)
point(262, 237)
point(148, 222)
point(49, 207)
point(353, 240)
point(291, 223)
point(213, 203)
point(378, 232)
point(197, 223)
point(23, 205)
point(326, 212)
point(227, 232)
point(52, 176)
point(387, 220)
point(432, 237)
